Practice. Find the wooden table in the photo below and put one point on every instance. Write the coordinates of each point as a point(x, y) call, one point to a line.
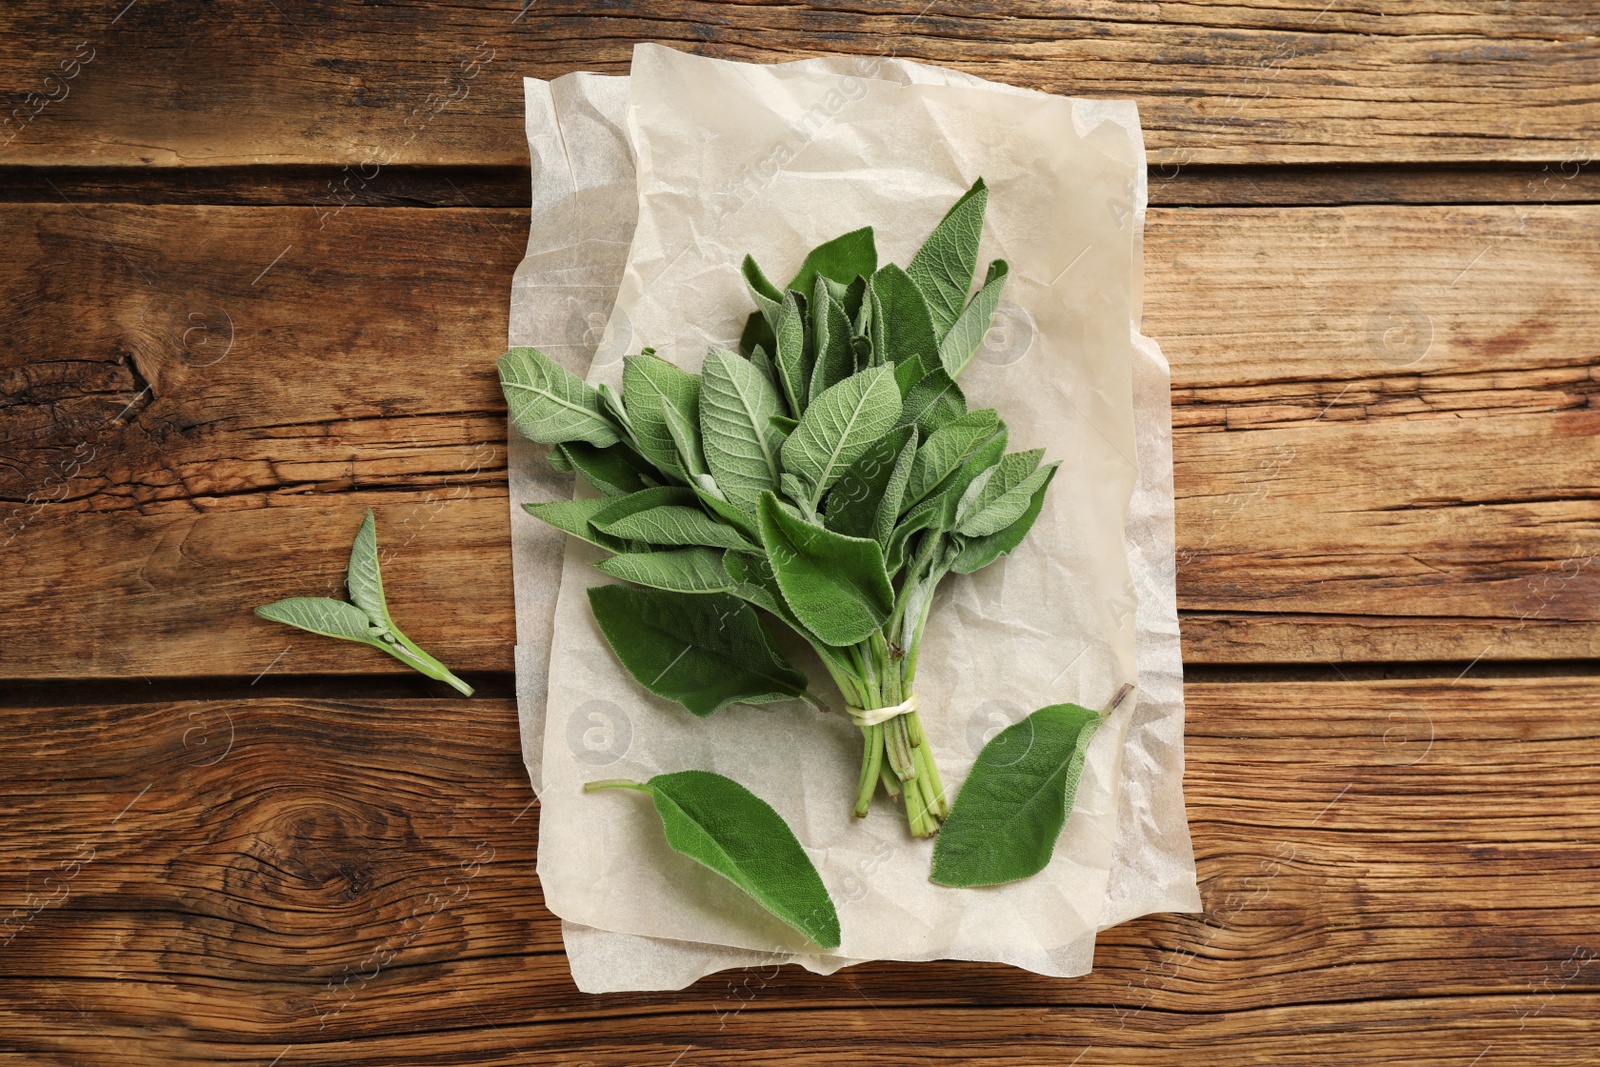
point(255, 273)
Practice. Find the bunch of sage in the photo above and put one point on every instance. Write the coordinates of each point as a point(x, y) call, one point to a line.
point(830, 474)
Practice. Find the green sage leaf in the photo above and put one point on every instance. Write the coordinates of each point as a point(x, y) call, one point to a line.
point(901, 326)
point(733, 515)
point(619, 507)
point(830, 332)
point(612, 470)
point(978, 552)
point(853, 502)
point(945, 450)
point(575, 517)
point(676, 525)
point(957, 346)
point(724, 826)
point(839, 426)
point(559, 459)
point(679, 570)
point(1005, 495)
point(836, 585)
point(843, 259)
point(767, 297)
point(737, 406)
point(933, 402)
point(1010, 811)
point(944, 265)
point(325, 616)
point(704, 651)
point(794, 359)
point(363, 579)
point(949, 494)
point(550, 404)
point(661, 398)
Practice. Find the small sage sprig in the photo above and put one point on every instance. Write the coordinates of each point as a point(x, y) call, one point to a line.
point(367, 619)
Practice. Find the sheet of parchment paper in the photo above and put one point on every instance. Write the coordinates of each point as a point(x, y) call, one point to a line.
point(731, 157)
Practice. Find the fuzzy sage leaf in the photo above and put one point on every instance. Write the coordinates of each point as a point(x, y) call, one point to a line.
point(704, 651)
point(1010, 810)
point(724, 826)
point(549, 403)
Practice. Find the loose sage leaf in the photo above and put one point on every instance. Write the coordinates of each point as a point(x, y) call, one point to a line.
point(737, 406)
point(957, 346)
point(676, 525)
point(678, 570)
point(842, 259)
point(560, 459)
point(836, 585)
point(550, 404)
point(945, 450)
point(830, 331)
point(612, 470)
point(852, 506)
point(794, 359)
point(724, 826)
point(901, 329)
point(944, 265)
point(653, 388)
point(703, 650)
point(933, 402)
point(1010, 811)
point(978, 552)
point(325, 616)
point(839, 426)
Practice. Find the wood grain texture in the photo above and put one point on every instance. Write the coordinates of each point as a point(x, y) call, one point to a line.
point(1189, 185)
point(340, 84)
point(1391, 872)
point(200, 402)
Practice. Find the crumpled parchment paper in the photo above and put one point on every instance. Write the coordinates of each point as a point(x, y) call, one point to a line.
point(647, 192)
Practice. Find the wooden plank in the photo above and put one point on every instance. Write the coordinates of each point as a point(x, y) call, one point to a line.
point(1171, 185)
point(1384, 865)
point(1262, 81)
point(202, 401)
